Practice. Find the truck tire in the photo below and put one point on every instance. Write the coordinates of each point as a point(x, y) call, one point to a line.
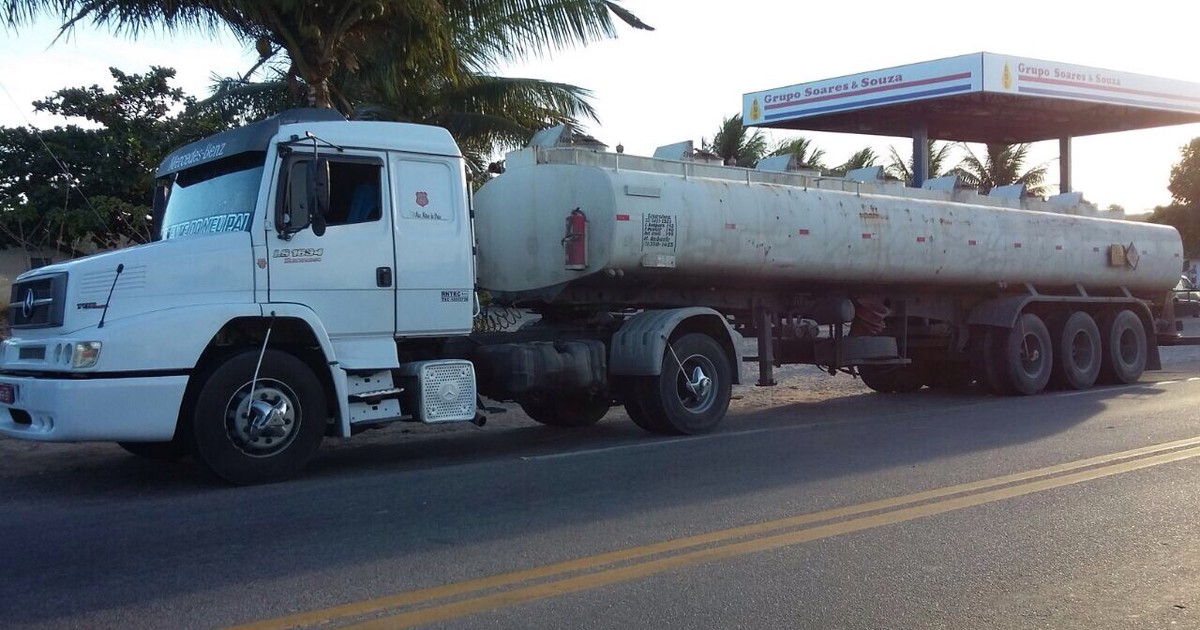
point(644, 420)
point(888, 379)
point(690, 400)
point(222, 439)
point(947, 375)
point(1123, 357)
point(1029, 355)
point(570, 410)
point(989, 364)
point(1077, 351)
point(630, 388)
point(171, 451)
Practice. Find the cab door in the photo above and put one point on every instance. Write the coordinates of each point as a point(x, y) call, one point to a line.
point(434, 262)
point(346, 276)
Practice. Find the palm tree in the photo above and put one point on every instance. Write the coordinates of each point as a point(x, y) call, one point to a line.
point(735, 145)
point(807, 155)
point(902, 168)
point(321, 38)
point(1000, 166)
point(485, 114)
point(862, 158)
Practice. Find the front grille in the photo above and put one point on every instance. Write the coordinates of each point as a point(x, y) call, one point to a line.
point(38, 302)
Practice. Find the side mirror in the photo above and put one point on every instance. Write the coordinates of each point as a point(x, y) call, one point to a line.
point(292, 213)
point(305, 198)
point(317, 194)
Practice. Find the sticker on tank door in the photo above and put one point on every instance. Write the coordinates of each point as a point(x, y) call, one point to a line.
point(455, 296)
point(658, 232)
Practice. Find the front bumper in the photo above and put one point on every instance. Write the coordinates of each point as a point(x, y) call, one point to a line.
point(96, 409)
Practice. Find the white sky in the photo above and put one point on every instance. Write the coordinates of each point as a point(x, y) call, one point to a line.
point(678, 82)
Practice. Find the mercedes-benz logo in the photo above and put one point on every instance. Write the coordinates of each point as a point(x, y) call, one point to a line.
point(27, 304)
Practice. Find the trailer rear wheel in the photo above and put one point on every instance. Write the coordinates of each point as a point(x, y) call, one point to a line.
point(1029, 355)
point(951, 375)
point(692, 393)
point(248, 432)
point(989, 363)
point(1077, 351)
point(571, 410)
point(887, 379)
point(1124, 348)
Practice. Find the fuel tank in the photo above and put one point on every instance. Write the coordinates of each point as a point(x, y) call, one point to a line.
point(682, 222)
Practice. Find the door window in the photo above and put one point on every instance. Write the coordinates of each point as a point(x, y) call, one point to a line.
point(354, 193)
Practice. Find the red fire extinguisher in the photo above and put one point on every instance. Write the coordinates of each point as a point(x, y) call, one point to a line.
point(575, 241)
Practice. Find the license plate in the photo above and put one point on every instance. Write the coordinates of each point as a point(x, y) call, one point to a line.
point(7, 394)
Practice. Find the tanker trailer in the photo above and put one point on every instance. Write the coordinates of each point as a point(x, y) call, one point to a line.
point(903, 287)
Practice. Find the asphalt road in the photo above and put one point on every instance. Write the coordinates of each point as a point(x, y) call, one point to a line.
point(850, 510)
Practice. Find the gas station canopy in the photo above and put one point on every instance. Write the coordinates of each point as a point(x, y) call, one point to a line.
point(980, 97)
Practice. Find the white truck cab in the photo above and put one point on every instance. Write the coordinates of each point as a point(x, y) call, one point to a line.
point(114, 346)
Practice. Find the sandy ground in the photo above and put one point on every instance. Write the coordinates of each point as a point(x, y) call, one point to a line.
point(20, 458)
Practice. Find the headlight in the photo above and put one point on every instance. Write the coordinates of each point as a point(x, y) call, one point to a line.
point(85, 354)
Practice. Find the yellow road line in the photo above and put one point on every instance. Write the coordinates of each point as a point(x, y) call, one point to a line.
point(722, 543)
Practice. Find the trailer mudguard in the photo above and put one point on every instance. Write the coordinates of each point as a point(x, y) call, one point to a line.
point(1003, 312)
point(638, 347)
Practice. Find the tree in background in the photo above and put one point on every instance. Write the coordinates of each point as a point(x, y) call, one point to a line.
point(428, 61)
point(1001, 165)
point(902, 168)
point(862, 158)
point(486, 114)
point(1185, 176)
point(321, 38)
point(807, 155)
point(74, 188)
point(735, 144)
point(1184, 213)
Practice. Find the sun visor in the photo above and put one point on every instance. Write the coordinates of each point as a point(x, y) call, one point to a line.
point(252, 137)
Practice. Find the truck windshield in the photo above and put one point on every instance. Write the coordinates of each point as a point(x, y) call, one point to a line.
point(215, 197)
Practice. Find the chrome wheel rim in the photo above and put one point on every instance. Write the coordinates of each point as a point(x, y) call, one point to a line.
point(264, 424)
point(696, 390)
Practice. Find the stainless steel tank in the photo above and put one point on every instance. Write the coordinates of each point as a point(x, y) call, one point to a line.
point(681, 221)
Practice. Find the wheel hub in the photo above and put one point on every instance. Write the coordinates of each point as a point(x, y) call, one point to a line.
point(699, 383)
point(263, 423)
point(268, 419)
point(696, 388)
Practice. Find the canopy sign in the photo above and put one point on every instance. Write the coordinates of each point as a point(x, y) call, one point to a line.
point(967, 97)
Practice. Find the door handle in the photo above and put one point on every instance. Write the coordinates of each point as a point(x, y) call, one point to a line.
point(383, 277)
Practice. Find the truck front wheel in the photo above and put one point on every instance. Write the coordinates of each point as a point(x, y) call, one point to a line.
point(692, 393)
point(157, 451)
point(248, 432)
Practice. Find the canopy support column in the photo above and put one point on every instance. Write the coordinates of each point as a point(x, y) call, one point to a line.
point(1064, 164)
point(920, 159)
